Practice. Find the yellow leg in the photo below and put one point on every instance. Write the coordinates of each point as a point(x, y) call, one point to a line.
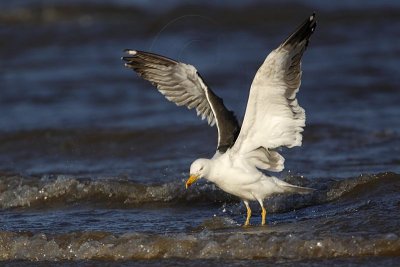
point(263, 215)
point(247, 223)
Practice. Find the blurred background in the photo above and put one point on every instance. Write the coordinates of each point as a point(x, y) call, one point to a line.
point(93, 159)
point(68, 105)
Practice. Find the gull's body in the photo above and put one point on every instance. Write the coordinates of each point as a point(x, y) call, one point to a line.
point(247, 185)
point(273, 118)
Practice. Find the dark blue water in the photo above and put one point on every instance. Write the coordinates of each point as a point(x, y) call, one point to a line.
point(93, 159)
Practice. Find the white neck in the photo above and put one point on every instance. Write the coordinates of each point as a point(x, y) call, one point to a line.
point(211, 175)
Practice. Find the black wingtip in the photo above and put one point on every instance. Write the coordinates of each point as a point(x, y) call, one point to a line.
point(312, 17)
point(130, 55)
point(303, 32)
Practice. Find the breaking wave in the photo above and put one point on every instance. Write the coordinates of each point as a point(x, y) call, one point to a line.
point(17, 191)
point(20, 192)
point(317, 236)
point(256, 244)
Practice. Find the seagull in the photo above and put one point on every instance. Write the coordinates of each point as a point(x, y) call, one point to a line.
point(273, 118)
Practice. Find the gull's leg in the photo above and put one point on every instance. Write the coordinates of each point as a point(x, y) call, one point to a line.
point(247, 223)
point(263, 212)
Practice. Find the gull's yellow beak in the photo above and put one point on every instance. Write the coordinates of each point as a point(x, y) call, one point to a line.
point(191, 180)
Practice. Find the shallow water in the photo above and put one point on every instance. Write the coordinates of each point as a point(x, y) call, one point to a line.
point(93, 160)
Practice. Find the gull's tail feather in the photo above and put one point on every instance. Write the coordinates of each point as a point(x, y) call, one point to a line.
point(289, 188)
point(298, 189)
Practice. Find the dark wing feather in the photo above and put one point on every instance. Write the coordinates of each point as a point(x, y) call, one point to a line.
point(182, 84)
point(297, 42)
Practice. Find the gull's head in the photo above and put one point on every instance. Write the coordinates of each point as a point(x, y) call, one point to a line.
point(198, 169)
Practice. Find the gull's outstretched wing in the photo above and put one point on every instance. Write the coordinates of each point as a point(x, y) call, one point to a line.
point(182, 84)
point(273, 117)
